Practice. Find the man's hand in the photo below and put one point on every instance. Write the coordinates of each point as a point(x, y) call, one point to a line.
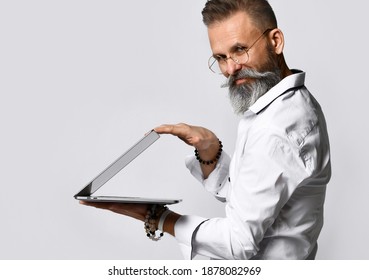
point(204, 140)
point(133, 210)
point(199, 137)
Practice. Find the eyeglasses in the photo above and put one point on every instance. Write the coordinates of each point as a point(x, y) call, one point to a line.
point(218, 63)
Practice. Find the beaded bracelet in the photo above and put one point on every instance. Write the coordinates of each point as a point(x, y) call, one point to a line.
point(150, 221)
point(208, 162)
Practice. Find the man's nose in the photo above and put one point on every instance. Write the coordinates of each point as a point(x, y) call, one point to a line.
point(232, 67)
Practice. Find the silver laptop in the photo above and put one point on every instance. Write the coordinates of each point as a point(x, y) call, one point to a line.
point(114, 168)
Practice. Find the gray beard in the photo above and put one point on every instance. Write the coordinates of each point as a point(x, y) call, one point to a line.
point(243, 96)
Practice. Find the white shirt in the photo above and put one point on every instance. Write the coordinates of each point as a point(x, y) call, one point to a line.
point(274, 186)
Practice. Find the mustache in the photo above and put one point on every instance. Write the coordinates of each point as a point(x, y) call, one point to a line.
point(243, 74)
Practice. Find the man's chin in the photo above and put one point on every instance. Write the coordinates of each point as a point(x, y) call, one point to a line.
point(240, 101)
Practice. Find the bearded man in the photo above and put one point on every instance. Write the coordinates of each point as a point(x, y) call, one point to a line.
point(274, 186)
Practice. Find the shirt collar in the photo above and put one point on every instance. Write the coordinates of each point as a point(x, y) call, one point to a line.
point(297, 79)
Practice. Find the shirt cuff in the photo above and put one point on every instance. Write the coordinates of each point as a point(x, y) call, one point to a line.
point(184, 229)
point(217, 179)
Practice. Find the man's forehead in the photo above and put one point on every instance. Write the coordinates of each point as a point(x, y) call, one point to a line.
point(235, 29)
point(236, 20)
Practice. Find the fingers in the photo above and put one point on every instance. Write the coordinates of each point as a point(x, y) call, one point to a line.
point(181, 130)
point(164, 129)
point(134, 210)
point(101, 205)
point(199, 137)
point(174, 129)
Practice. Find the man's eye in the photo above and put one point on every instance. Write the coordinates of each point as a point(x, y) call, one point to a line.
point(240, 49)
point(219, 58)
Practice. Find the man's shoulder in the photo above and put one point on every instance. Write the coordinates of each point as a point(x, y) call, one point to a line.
point(294, 112)
point(295, 104)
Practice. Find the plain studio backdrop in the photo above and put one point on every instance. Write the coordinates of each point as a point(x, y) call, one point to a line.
point(81, 81)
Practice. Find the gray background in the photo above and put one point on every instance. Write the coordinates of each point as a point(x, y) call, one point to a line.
point(80, 81)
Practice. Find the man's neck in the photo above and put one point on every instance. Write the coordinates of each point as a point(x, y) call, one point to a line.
point(285, 71)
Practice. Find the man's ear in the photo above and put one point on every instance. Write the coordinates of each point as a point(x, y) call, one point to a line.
point(276, 38)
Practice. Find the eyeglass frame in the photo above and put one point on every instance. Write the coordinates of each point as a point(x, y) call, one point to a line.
point(244, 50)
